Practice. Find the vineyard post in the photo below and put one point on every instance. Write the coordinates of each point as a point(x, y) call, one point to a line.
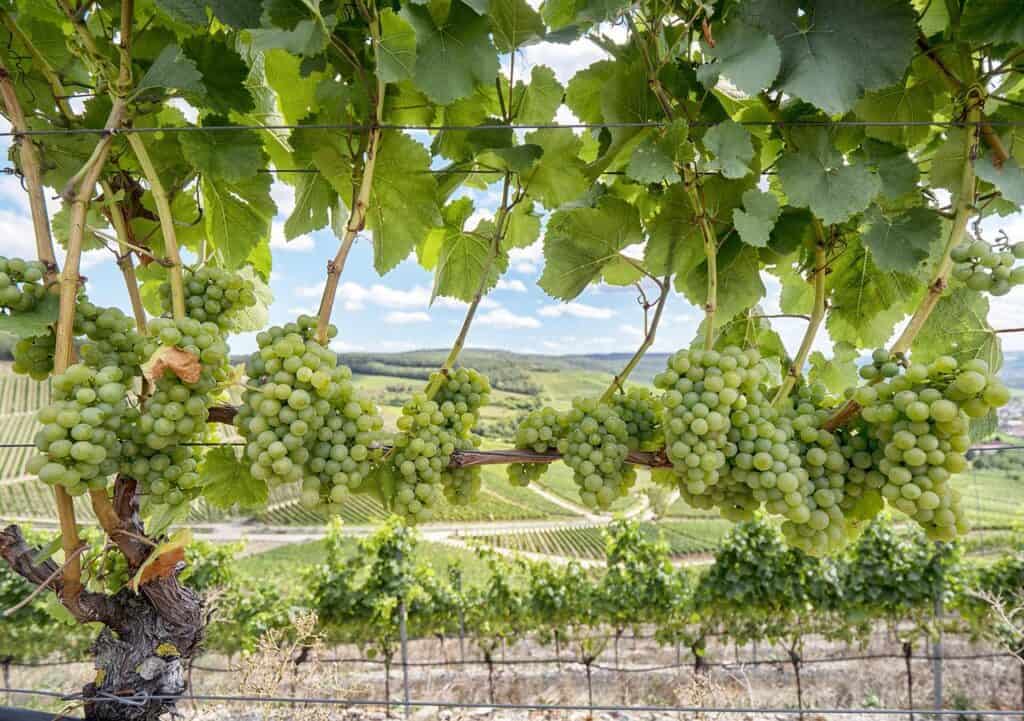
point(937, 654)
point(5, 663)
point(404, 638)
point(908, 651)
point(794, 659)
point(588, 661)
point(387, 681)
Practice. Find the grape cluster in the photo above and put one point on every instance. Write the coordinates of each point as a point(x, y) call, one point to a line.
point(595, 446)
point(883, 365)
point(34, 356)
point(920, 421)
point(460, 396)
point(641, 412)
point(78, 443)
point(701, 391)
point(984, 267)
point(539, 431)
point(213, 294)
point(21, 286)
point(303, 420)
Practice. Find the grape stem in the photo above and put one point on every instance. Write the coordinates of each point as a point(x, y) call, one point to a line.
point(693, 191)
point(32, 173)
point(1009, 330)
point(964, 206)
point(166, 216)
point(116, 214)
point(652, 329)
point(360, 206)
point(814, 322)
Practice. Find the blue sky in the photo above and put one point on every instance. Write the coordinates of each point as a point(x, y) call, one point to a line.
point(392, 313)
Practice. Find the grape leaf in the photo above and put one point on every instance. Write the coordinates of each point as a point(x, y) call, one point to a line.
point(755, 221)
point(173, 70)
point(224, 74)
point(906, 102)
point(403, 204)
point(900, 241)
point(674, 244)
point(559, 176)
point(898, 173)
point(1008, 179)
point(26, 324)
point(739, 281)
point(464, 263)
point(866, 303)
point(230, 156)
point(579, 242)
point(731, 149)
point(838, 372)
point(537, 103)
point(749, 329)
point(797, 294)
point(514, 24)
point(655, 159)
point(522, 227)
point(816, 177)
point(480, 106)
point(454, 57)
point(621, 272)
point(948, 159)
point(746, 56)
point(163, 561)
point(396, 60)
point(237, 216)
point(583, 94)
point(167, 358)
point(993, 21)
point(958, 326)
point(832, 51)
point(228, 483)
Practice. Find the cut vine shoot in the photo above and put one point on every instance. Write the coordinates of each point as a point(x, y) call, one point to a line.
point(741, 145)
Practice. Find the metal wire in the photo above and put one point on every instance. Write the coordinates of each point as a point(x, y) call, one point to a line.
point(358, 127)
point(134, 700)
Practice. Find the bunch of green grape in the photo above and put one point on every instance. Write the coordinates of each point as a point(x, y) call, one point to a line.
point(112, 337)
point(539, 431)
point(303, 419)
point(213, 294)
point(883, 365)
point(21, 284)
point(921, 422)
point(984, 267)
point(78, 443)
point(34, 356)
point(595, 446)
point(701, 391)
point(421, 453)
point(460, 395)
point(641, 412)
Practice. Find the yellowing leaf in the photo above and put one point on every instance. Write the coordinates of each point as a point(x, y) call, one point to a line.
point(164, 559)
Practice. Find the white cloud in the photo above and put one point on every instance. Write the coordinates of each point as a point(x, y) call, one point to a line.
point(301, 244)
point(18, 235)
point(514, 285)
point(527, 260)
point(402, 317)
point(504, 318)
point(284, 197)
point(355, 296)
point(577, 310)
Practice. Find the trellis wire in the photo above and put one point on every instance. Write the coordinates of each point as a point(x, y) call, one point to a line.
point(361, 127)
point(140, 699)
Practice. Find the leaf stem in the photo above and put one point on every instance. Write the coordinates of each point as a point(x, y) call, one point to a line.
point(32, 172)
point(360, 206)
point(693, 192)
point(166, 216)
point(648, 341)
point(814, 323)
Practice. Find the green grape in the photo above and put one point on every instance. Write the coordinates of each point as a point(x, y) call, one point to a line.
point(539, 431)
point(79, 443)
point(34, 356)
point(641, 412)
point(460, 395)
point(984, 268)
point(21, 284)
point(213, 294)
point(595, 447)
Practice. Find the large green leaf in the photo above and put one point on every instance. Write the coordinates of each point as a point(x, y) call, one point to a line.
point(817, 177)
point(899, 242)
point(866, 302)
point(657, 157)
point(537, 103)
point(993, 21)
point(522, 227)
point(515, 24)
point(746, 56)
point(834, 50)
point(583, 94)
point(838, 372)
point(674, 242)
point(731, 149)
point(396, 60)
point(1008, 178)
point(172, 70)
point(223, 72)
point(231, 156)
point(754, 222)
point(228, 483)
point(898, 173)
point(25, 324)
point(581, 241)
point(403, 203)
point(453, 57)
point(559, 176)
point(910, 101)
point(237, 216)
point(958, 326)
point(464, 264)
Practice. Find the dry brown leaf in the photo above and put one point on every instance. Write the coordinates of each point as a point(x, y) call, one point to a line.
point(181, 363)
point(164, 559)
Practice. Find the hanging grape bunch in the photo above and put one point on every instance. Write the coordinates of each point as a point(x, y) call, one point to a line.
point(990, 268)
point(213, 294)
point(303, 420)
point(78, 443)
point(460, 396)
point(641, 412)
point(538, 431)
point(595, 447)
point(21, 284)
